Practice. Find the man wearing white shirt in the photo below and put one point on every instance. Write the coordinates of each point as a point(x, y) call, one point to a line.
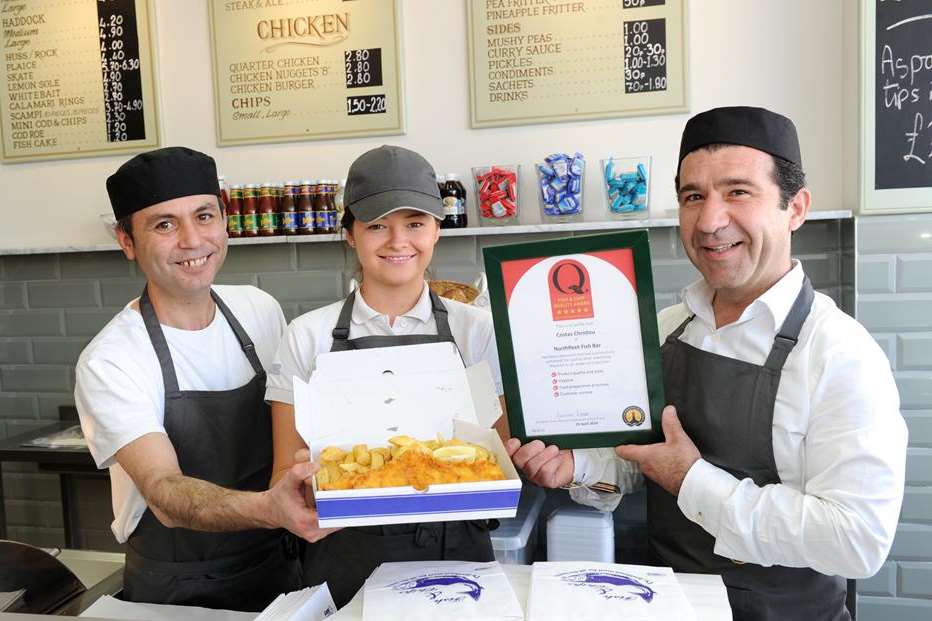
point(784, 456)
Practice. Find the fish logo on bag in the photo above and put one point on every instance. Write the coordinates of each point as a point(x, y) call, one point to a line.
point(442, 588)
point(610, 584)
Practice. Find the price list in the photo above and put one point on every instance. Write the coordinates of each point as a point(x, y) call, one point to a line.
point(636, 4)
point(119, 65)
point(363, 67)
point(645, 55)
point(540, 61)
point(78, 79)
point(306, 69)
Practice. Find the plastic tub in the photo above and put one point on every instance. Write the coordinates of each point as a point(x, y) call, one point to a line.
point(577, 533)
point(513, 542)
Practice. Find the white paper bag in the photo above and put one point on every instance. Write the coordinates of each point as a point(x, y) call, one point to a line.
point(583, 591)
point(430, 590)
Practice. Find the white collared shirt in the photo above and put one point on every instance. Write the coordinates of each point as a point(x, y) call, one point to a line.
point(309, 335)
point(839, 442)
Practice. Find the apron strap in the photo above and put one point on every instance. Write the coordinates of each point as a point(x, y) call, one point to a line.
point(157, 337)
point(786, 338)
point(440, 315)
point(244, 341)
point(340, 331)
point(673, 336)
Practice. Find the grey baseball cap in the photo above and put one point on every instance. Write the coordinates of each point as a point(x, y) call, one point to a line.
point(390, 178)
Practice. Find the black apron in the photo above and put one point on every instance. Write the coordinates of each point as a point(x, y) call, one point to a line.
point(224, 437)
point(726, 408)
point(347, 557)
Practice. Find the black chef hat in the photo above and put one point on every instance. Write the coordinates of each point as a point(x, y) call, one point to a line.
point(161, 175)
point(744, 126)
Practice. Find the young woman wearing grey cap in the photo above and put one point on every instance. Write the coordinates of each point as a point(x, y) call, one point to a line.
point(392, 217)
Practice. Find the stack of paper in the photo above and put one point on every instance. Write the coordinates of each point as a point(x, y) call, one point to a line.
point(108, 607)
point(426, 591)
point(310, 604)
point(584, 590)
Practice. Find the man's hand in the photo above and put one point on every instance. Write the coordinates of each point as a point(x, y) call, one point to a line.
point(546, 466)
point(667, 463)
point(290, 507)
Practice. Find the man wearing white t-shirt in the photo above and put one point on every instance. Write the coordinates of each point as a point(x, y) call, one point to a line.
point(171, 399)
point(783, 463)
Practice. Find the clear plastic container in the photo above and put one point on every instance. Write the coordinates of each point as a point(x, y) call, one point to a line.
point(626, 184)
point(514, 541)
point(497, 193)
point(576, 533)
point(561, 200)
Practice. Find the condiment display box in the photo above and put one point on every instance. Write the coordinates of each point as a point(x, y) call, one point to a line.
point(369, 395)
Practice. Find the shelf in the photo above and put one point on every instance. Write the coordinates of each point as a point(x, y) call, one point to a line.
point(473, 231)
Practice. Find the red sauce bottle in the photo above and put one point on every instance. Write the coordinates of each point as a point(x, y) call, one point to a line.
point(250, 211)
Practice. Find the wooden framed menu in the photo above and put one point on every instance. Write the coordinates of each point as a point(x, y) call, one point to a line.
point(78, 80)
point(534, 61)
point(576, 329)
point(306, 69)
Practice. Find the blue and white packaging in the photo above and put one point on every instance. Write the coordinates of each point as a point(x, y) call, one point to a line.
point(369, 395)
point(587, 591)
point(430, 590)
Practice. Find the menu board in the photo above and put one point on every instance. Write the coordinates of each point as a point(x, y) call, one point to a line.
point(78, 79)
point(898, 106)
point(306, 69)
point(543, 61)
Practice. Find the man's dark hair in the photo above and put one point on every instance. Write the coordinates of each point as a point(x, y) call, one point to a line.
point(789, 177)
point(125, 223)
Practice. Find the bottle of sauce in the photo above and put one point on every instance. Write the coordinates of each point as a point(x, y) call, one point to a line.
point(224, 194)
point(453, 195)
point(268, 216)
point(305, 209)
point(289, 208)
point(250, 211)
point(329, 220)
point(235, 212)
point(338, 200)
point(317, 202)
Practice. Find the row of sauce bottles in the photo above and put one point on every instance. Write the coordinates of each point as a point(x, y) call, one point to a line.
point(305, 207)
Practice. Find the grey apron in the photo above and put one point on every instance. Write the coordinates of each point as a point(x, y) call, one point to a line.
point(347, 557)
point(726, 408)
point(224, 437)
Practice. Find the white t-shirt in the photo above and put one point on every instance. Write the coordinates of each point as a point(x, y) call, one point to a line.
point(119, 391)
point(309, 335)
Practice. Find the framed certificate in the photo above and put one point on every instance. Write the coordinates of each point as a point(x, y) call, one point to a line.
point(576, 329)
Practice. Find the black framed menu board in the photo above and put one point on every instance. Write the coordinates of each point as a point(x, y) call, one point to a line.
point(566, 60)
point(306, 69)
point(896, 106)
point(78, 79)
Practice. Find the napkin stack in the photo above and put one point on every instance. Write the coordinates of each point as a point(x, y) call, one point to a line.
point(430, 590)
point(310, 604)
point(586, 590)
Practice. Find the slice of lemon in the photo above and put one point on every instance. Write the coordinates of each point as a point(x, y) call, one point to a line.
point(455, 454)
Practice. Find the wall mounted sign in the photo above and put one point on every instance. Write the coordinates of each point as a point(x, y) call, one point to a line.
point(306, 69)
point(896, 105)
point(78, 79)
point(543, 62)
point(576, 329)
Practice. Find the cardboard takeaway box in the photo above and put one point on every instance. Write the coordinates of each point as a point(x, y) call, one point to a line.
point(369, 395)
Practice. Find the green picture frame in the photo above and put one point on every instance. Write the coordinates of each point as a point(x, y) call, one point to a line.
point(496, 257)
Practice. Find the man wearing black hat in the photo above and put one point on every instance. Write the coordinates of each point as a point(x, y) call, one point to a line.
point(171, 399)
point(783, 462)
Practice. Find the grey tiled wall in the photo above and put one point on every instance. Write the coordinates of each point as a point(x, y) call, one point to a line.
point(51, 306)
point(894, 302)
